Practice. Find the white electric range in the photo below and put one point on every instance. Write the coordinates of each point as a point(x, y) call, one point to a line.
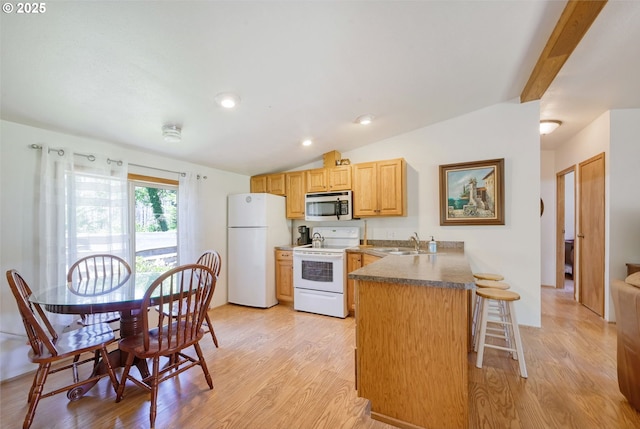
point(320, 274)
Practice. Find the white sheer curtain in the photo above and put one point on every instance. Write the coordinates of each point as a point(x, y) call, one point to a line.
point(54, 165)
point(83, 210)
point(189, 242)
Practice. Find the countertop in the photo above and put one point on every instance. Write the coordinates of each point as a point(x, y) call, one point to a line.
point(448, 268)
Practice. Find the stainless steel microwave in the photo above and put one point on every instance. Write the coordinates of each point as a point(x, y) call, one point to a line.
point(328, 206)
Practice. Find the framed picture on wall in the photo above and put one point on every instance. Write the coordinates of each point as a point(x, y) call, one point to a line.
point(472, 193)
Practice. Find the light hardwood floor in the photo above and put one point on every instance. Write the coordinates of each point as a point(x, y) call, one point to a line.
point(281, 369)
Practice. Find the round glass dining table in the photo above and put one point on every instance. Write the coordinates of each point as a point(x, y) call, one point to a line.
point(126, 299)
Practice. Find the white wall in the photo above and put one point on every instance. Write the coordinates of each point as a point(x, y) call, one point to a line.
point(507, 130)
point(624, 212)
point(19, 169)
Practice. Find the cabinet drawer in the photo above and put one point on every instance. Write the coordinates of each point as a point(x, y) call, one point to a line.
point(284, 254)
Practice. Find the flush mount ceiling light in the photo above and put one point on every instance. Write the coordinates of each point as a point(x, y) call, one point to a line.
point(548, 126)
point(307, 142)
point(227, 100)
point(172, 133)
point(364, 119)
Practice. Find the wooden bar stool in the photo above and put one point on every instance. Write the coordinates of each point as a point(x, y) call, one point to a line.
point(506, 318)
point(478, 302)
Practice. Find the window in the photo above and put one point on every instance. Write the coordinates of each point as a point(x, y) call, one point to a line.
point(154, 215)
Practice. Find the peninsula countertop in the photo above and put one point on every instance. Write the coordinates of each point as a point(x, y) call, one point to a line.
point(447, 269)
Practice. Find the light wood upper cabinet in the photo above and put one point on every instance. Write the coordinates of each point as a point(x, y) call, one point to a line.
point(259, 183)
point(329, 179)
point(295, 187)
point(270, 183)
point(316, 180)
point(379, 188)
point(339, 178)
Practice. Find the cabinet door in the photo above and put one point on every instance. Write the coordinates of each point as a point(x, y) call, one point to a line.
point(316, 180)
point(295, 194)
point(284, 276)
point(339, 178)
point(276, 184)
point(365, 189)
point(259, 184)
point(368, 259)
point(391, 187)
point(354, 261)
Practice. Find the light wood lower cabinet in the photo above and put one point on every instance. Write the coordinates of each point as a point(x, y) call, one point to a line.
point(411, 354)
point(284, 275)
point(356, 260)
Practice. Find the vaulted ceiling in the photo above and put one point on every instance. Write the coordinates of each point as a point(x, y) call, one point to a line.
point(118, 71)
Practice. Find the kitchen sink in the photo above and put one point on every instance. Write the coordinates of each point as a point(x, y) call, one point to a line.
point(401, 251)
point(404, 251)
point(408, 252)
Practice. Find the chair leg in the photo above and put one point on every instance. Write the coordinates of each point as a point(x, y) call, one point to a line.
point(211, 331)
point(516, 334)
point(153, 383)
point(39, 380)
point(125, 376)
point(483, 332)
point(107, 363)
point(33, 384)
point(203, 365)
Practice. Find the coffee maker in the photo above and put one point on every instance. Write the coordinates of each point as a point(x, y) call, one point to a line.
point(304, 238)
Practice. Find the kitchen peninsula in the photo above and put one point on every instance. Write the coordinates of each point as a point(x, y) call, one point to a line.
point(412, 338)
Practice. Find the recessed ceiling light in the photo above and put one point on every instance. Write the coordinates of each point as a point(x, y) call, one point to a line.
point(364, 119)
point(172, 133)
point(227, 100)
point(307, 142)
point(548, 126)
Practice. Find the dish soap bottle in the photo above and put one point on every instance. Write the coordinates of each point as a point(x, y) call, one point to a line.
point(433, 246)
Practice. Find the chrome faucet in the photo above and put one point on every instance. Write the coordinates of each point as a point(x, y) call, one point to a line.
point(416, 241)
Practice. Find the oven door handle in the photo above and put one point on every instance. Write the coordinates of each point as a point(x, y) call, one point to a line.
point(320, 254)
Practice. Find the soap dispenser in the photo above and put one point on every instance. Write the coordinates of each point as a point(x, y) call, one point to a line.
point(433, 246)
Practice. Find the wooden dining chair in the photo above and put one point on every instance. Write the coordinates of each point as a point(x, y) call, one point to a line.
point(211, 259)
point(187, 290)
point(48, 347)
point(95, 275)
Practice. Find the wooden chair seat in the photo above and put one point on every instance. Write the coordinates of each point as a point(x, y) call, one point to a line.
point(161, 342)
point(492, 284)
point(98, 318)
point(81, 340)
point(488, 276)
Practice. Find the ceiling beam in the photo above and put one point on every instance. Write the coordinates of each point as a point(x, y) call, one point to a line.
point(576, 18)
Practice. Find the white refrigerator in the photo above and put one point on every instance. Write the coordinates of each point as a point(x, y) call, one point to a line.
point(256, 224)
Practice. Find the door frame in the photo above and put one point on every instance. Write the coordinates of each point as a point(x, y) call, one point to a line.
point(560, 221)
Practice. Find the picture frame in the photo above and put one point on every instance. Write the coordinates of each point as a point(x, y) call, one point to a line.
point(472, 193)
